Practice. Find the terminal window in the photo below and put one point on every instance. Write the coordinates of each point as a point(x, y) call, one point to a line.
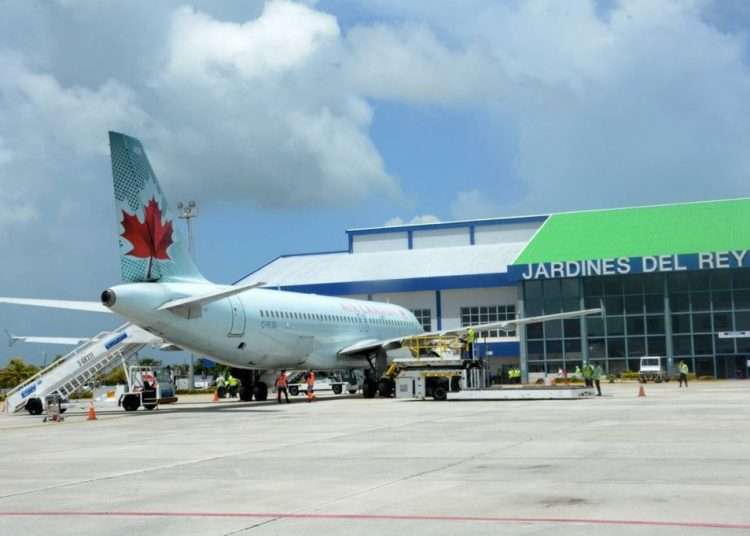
point(484, 314)
point(424, 317)
point(642, 313)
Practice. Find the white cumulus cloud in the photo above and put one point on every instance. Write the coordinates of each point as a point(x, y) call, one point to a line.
point(416, 220)
point(473, 204)
point(281, 39)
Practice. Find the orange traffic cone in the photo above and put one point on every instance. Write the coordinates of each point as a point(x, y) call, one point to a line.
point(641, 391)
point(91, 416)
point(216, 396)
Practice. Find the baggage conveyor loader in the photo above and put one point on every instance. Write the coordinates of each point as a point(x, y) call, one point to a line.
point(436, 367)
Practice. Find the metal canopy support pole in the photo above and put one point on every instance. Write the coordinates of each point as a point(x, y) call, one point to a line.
point(521, 333)
point(669, 347)
point(584, 324)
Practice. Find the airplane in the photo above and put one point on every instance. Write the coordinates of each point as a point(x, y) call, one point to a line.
point(254, 330)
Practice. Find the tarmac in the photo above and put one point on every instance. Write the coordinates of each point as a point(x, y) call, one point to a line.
point(673, 462)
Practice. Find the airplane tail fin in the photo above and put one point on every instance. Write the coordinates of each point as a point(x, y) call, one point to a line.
point(152, 248)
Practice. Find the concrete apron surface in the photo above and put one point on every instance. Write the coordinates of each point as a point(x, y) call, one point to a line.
point(672, 462)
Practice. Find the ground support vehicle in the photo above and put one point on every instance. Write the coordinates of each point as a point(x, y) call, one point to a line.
point(425, 350)
point(652, 369)
point(147, 387)
point(77, 369)
point(336, 383)
point(435, 377)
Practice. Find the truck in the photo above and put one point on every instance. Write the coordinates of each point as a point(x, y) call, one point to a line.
point(324, 381)
point(651, 368)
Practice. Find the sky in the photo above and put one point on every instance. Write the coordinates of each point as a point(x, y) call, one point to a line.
point(289, 122)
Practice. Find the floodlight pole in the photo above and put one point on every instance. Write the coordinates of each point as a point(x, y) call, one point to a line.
point(187, 211)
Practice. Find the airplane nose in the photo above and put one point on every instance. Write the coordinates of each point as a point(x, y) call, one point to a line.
point(109, 297)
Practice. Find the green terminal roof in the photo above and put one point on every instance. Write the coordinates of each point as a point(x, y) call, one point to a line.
point(642, 231)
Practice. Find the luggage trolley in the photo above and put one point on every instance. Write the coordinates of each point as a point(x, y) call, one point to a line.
point(55, 410)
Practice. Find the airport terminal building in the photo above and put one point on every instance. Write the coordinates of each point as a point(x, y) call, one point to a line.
point(671, 278)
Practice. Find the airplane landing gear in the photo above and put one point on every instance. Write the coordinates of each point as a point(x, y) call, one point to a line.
point(369, 389)
point(246, 393)
point(374, 382)
point(246, 378)
point(369, 385)
point(250, 385)
point(260, 391)
point(386, 387)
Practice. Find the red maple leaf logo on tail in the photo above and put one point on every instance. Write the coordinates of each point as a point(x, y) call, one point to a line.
point(149, 239)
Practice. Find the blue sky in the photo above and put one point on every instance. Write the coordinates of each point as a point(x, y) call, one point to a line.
point(290, 121)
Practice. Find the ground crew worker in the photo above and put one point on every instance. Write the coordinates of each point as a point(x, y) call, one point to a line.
point(588, 374)
point(471, 335)
point(281, 385)
point(221, 386)
point(683, 368)
point(233, 384)
point(310, 385)
point(597, 376)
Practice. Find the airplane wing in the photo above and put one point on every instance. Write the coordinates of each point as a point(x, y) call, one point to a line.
point(136, 336)
point(370, 345)
point(511, 325)
point(13, 339)
point(93, 307)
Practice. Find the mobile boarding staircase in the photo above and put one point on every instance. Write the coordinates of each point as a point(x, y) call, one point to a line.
point(77, 368)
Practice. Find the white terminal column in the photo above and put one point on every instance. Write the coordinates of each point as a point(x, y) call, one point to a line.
point(523, 354)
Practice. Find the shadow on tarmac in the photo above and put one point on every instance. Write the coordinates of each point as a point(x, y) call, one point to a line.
point(213, 407)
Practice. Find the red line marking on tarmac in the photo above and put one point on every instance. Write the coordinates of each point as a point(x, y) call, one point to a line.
point(388, 517)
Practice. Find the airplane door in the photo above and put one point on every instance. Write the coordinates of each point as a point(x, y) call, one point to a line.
point(238, 317)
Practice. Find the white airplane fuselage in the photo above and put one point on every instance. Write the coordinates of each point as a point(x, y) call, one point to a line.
point(262, 328)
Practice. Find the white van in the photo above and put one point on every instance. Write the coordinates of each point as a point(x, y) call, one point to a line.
point(652, 369)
